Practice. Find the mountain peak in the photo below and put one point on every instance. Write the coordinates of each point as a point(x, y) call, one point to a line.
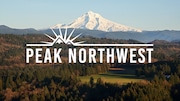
point(3, 26)
point(91, 13)
point(94, 21)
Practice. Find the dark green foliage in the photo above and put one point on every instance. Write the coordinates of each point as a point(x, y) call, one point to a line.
point(159, 68)
point(175, 92)
point(53, 86)
point(19, 81)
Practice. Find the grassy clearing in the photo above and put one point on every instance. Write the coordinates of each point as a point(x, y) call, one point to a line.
point(112, 78)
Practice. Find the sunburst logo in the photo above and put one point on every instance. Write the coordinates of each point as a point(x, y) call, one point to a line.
point(60, 39)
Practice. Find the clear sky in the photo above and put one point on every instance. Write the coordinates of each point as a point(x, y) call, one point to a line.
point(142, 14)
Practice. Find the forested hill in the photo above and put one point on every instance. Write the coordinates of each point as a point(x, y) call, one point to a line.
point(42, 82)
point(13, 47)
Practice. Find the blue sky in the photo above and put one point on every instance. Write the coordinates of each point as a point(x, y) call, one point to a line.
point(142, 14)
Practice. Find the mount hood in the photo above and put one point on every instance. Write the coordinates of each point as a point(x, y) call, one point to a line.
point(94, 21)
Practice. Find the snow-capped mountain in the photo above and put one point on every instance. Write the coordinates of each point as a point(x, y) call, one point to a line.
point(95, 21)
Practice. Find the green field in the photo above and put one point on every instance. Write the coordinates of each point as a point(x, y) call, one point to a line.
point(112, 77)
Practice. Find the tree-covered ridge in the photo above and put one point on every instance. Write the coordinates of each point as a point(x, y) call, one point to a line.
point(12, 48)
point(20, 81)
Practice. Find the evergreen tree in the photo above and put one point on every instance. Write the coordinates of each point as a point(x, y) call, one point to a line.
point(91, 81)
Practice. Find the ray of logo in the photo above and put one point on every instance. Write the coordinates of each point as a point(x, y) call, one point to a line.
point(60, 38)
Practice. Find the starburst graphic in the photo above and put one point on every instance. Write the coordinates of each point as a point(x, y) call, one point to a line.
point(63, 39)
point(60, 39)
point(69, 40)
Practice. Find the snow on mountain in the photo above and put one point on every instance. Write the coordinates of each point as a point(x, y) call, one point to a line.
point(95, 21)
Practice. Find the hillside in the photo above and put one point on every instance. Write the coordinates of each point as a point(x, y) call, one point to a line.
point(12, 48)
point(21, 81)
point(7, 30)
